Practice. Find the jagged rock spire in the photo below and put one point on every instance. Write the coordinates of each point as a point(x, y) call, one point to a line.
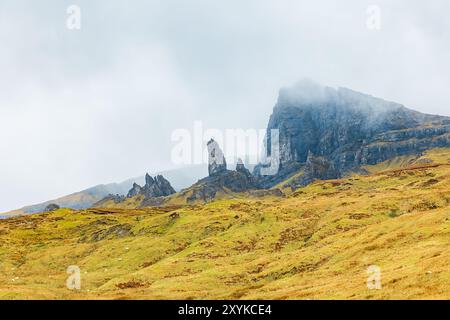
point(216, 159)
point(148, 179)
point(134, 191)
point(157, 187)
point(164, 185)
point(154, 187)
point(240, 165)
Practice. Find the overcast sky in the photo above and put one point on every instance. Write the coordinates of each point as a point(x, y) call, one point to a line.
point(99, 104)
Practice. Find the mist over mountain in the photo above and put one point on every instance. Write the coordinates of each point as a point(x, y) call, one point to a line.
point(347, 129)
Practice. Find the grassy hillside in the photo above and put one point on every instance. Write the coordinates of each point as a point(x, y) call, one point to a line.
point(316, 243)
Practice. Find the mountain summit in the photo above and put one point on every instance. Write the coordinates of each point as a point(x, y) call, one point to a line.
point(347, 130)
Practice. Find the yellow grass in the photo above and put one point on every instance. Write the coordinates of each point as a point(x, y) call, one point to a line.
point(317, 243)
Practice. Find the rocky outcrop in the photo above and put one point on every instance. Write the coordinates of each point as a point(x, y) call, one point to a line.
point(51, 207)
point(225, 181)
point(153, 188)
point(153, 192)
point(283, 173)
point(164, 186)
point(216, 160)
point(317, 168)
point(206, 189)
point(221, 180)
point(134, 191)
point(345, 129)
point(240, 168)
point(157, 187)
point(116, 198)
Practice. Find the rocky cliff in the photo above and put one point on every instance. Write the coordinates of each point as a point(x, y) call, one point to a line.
point(346, 130)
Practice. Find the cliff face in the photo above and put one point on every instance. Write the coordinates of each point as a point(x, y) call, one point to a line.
point(349, 129)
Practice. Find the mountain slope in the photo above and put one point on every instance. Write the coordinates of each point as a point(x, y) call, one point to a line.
point(315, 244)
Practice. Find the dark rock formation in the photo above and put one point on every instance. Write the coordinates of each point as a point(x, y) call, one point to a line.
point(216, 159)
point(134, 191)
point(234, 181)
point(116, 198)
point(284, 172)
point(153, 192)
point(51, 207)
point(221, 179)
point(317, 168)
point(346, 130)
point(240, 168)
point(201, 191)
point(153, 202)
point(164, 185)
point(157, 187)
point(153, 188)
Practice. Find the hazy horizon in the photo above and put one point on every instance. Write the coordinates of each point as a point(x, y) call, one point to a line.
point(98, 105)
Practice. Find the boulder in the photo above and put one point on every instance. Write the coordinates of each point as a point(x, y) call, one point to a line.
point(51, 207)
